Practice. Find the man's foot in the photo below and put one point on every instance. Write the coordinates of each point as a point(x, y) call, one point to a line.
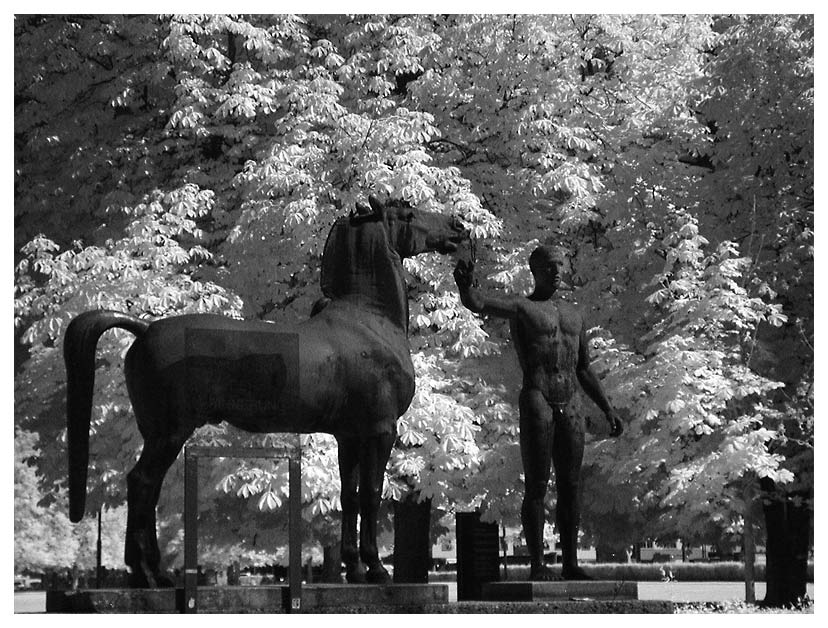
point(574, 573)
point(543, 574)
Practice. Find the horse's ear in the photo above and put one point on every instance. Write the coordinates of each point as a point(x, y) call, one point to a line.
point(377, 206)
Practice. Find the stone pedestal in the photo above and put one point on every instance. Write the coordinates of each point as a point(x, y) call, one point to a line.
point(316, 598)
point(574, 590)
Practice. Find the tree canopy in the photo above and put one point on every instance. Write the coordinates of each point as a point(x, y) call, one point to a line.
point(171, 164)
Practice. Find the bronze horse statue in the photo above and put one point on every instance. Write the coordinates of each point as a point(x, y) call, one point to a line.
point(345, 371)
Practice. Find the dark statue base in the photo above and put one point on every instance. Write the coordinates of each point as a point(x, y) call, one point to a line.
point(333, 598)
point(574, 590)
point(316, 598)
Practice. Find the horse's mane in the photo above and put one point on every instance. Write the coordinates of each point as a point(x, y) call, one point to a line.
point(359, 263)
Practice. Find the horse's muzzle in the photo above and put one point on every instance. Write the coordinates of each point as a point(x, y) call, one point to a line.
point(451, 244)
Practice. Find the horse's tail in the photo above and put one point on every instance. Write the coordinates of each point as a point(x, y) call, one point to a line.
point(79, 356)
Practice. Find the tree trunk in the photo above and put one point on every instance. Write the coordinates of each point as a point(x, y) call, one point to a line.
point(788, 524)
point(98, 555)
point(748, 544)
point(332, 564)
point(412, 540)
point(233, 573)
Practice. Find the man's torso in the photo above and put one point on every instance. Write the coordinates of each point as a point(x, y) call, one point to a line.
point(546, 336)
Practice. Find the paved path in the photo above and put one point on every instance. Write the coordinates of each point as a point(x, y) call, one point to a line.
point(701, 591)
point(35, 601)
point(29, 602)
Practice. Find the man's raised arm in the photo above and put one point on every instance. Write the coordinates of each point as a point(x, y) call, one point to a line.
point(473, 299)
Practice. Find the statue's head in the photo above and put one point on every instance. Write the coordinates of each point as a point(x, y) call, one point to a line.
point(547, 255)
point(547, 263)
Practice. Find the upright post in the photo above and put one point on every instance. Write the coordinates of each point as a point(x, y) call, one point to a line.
point(98, 561)
point(295, 541)
point(504, 546)
point(190, 531)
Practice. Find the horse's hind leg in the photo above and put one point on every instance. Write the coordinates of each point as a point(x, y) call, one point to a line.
point(144, 482)
point(376, 452)
point(348, 449)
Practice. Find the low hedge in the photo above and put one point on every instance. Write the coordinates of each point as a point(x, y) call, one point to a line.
point(646, 572)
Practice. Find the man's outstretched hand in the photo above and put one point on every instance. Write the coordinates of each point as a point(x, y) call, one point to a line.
point(464, 274)
point(616, 426)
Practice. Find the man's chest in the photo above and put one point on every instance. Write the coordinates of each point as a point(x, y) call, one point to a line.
point(549, 319)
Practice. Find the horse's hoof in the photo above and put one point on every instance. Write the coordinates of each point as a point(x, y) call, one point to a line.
point(378, 575)
point(138, 580)
point(163, 581)
point(355, 575)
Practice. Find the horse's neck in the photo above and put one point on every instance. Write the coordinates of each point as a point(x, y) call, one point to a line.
point(383, 292)
point(370, 276)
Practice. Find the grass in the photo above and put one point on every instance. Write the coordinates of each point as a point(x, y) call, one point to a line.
point(806, 607)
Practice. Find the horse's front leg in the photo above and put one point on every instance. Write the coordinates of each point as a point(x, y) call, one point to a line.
point(376, 452)
point(348, 449)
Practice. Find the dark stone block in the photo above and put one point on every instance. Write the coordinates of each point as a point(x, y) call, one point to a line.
point(477, 555)
point(412, 541)
point(115, 601)
point(337, 596)
point(577, 590)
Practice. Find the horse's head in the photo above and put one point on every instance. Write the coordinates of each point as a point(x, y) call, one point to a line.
point(413, 231)
point(361, 260)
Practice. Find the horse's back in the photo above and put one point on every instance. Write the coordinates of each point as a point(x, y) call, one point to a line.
point(342, 372)
point(210, 367)
point(169, 341)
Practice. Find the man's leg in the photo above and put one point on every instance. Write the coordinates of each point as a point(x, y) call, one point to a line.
point(536, 437)
point(567, 456)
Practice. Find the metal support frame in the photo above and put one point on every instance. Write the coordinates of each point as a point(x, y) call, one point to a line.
point(293, 454)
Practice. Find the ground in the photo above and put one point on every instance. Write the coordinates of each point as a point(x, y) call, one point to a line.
point(696, 597)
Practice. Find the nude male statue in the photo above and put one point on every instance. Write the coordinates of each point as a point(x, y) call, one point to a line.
point(550, 340)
